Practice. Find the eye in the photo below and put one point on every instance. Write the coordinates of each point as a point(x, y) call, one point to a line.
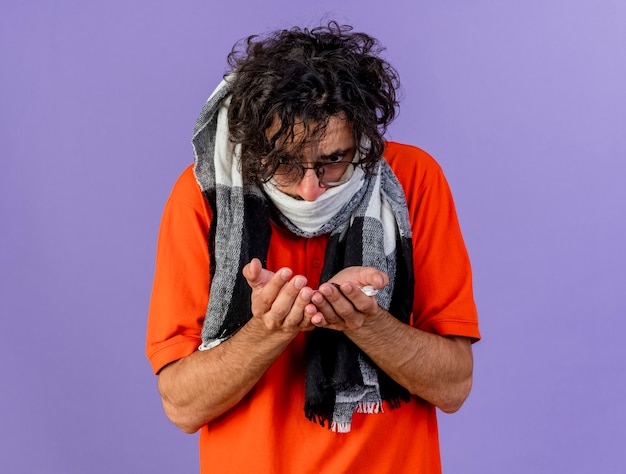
point(285, 159)
point(334, 158)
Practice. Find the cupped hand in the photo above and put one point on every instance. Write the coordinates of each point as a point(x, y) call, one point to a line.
point(278, 299)
point(341, 304)
point(361, 276)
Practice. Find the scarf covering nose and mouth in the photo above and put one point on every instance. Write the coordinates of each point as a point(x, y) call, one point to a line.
point(371, 229)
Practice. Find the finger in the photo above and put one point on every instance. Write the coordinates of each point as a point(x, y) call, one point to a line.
point(376, 278)
point(297, 318)
point(285, 301)
point(349, 305)
point(370, 276)
point(314, 317)
point(324, 301)
point(335, 296)
point(251, 271)
point(263, 296)
point(358, 300)
point(258, 277)
point(363, 276)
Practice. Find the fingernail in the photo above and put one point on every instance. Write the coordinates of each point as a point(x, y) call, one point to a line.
point(299, 282)
point(285, 273)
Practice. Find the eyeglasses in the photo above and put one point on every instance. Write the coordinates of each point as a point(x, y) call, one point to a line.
point(329, 174)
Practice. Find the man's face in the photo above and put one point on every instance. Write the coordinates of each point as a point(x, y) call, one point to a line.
point(337, 142)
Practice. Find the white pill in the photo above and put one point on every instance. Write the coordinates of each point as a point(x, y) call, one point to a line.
point(369, 290)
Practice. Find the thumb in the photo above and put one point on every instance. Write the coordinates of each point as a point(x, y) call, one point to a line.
point(258, 277)
point(252, 272)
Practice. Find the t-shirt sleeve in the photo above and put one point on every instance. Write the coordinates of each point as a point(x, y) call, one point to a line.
point(181, 280)
point(444, 302)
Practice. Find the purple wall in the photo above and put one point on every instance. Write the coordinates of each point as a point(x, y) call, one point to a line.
point(522, 103)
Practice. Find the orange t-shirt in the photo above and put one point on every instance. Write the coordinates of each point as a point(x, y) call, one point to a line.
point(267, 430)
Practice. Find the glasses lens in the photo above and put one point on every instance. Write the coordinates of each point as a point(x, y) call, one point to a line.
point(329, 174)
point(287, 173)
point(338, 173)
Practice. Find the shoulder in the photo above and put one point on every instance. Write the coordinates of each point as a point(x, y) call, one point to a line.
point(413, 167)
point(186, 187)
point(186, 191)
point(186, 200)
point(410, 159)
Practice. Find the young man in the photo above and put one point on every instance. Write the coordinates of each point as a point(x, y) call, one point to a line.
point(312, 301)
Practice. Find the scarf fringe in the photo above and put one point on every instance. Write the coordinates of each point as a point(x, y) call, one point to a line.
point(396, 402)
point(340, 427)
point(317, 418)
point(369, 407)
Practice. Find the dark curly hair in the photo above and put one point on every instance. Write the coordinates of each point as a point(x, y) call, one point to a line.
point(307, 76)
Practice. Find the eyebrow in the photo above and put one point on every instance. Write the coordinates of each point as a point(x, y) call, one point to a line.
point(338, 151)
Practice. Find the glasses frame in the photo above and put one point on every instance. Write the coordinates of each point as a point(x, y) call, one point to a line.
point(318, 168)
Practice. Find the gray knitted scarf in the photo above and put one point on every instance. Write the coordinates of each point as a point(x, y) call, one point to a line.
point(371, 229)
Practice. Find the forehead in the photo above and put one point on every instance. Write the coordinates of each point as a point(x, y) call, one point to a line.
point(337, 134)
